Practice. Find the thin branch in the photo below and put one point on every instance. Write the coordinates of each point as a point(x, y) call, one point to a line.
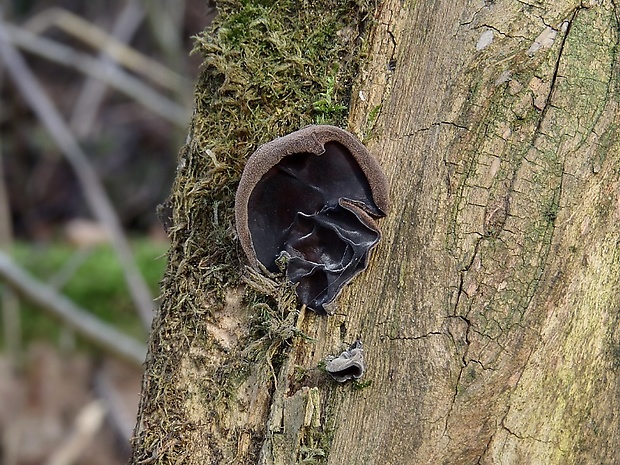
point(165, 18)
point(46, 298)
point(87, 423)
point(114, 77)
point(111, 397)
point(95, 194)
point(93, 91)
point(114, 48)
point(8, 301)
point(69, 268)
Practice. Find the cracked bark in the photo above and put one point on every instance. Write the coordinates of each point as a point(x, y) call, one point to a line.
point(489, 245)
point(489, 311)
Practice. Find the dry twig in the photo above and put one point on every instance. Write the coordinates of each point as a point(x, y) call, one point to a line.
point(114, 77)
point(95, 194)
point(93, 91)
point(8, 300)
point(87, 422)
point(114, 48)
point(46, 298)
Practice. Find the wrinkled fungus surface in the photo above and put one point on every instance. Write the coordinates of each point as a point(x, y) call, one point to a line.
point(349, 365)
point(311, 198)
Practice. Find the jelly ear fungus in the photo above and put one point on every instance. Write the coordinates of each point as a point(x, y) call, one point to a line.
point(349, 365)
point(311, 199)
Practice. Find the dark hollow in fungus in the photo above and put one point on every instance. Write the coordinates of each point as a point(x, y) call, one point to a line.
point(310, 198)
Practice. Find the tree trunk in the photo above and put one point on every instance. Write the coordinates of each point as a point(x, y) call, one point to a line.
point(490, 309)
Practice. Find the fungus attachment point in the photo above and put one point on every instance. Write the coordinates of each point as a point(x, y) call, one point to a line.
point(349, 365)
point(309, 199)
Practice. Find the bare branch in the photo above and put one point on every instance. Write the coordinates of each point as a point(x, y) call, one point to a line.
point(114, 48)
point(95, 330)
point(114, 77)
point(95, 194)
point(165, 18)
point(93, 90)
point(88, 422)
point(8, 301)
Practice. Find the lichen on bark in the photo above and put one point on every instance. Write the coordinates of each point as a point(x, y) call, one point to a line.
point(546, 118)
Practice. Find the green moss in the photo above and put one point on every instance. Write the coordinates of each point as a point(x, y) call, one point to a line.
point(273, 304)
point(371, 120)
point(361, 385)
point(269, 68)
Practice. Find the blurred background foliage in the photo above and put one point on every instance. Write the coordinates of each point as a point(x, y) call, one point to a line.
point(119, 77)
point(92, 278)
point(132, 149)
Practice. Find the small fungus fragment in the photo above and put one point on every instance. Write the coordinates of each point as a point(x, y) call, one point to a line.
point(349, 365)
point(310, 199)
point(485, 39)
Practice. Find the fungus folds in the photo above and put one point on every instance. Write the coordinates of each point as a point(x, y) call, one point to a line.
point(311, 199)
point(349, 365)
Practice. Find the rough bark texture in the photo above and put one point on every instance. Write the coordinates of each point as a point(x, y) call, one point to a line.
point(490, 309)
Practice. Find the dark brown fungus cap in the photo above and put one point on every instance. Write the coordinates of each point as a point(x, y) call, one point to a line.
point(312, 197)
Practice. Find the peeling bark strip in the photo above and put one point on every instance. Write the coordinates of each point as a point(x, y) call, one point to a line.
point(490, 313)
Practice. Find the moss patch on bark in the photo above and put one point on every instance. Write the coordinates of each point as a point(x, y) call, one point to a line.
point(269, 68)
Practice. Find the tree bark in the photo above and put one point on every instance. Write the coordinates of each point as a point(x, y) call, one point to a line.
point(489, 312)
